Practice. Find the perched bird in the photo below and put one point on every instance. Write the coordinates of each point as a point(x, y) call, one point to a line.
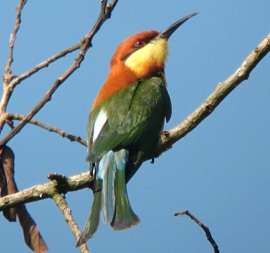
point(125, 123)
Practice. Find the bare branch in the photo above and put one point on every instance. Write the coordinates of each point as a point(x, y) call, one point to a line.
point(168, 138)
point(65, 210)
point(85, 44)
point(47, 190)
point(204, 227)
point(105, 12)
point(10, 116)
point(44, 64)
point(7, 77)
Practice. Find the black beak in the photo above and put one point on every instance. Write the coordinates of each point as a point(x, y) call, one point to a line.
point(170, 30)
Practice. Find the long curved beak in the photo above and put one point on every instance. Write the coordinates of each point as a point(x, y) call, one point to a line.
point(170, 30)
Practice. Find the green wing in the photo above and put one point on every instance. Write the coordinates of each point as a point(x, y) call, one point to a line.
point(135, 117)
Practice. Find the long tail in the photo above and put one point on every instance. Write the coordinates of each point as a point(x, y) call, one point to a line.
point(113, 197)
point(124, 217)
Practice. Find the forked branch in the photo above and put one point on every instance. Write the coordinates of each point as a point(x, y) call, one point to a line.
point(85, 43)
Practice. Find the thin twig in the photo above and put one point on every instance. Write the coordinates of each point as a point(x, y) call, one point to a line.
point(86, 43)
point(44, 64)
point(11, 116)
point(204, 227)
point(7, 77)
point(65, 210)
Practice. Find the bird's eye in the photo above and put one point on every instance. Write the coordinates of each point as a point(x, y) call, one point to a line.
point(139, 43)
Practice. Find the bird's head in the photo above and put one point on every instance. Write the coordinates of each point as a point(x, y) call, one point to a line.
point(145, 53)
point(141, 56)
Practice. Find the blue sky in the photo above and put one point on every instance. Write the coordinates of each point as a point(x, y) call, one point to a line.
point(219, 172)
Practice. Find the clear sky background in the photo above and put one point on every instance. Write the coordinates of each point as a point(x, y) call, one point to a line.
point(219, 172)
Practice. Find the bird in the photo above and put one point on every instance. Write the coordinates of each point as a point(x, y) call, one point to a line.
point(125, 123)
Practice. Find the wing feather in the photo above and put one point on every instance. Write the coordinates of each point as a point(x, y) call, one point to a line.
point(134, 116)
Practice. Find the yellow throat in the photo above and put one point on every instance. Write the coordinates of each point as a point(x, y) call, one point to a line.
point(152, 56)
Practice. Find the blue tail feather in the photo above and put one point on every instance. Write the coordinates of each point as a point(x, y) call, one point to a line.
point(124, 216)
point(107, 165)
point(112, 196)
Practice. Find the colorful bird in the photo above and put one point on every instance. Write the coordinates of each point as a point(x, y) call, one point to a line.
point(125, 123)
